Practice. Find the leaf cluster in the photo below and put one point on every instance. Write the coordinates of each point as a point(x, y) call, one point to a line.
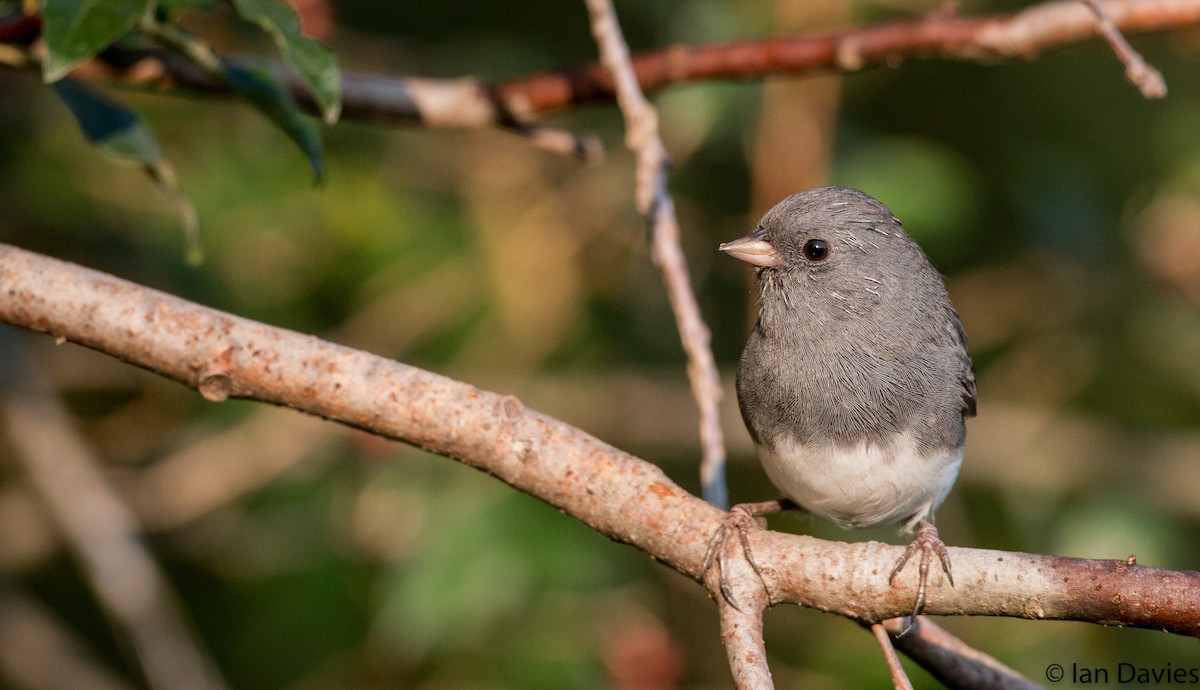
point(76, 31)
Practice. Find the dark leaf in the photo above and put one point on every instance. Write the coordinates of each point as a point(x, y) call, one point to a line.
point(276, 102)
point(316, 64)
point(119, 132)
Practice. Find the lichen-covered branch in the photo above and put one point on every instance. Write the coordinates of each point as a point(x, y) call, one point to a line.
point(617, 494)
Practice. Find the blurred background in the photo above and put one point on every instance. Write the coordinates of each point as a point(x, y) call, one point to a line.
point(1063, 208)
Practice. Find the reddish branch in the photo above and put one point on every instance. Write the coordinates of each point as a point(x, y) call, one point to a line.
point(1022, 35)
point(468, 103)
point(623, 497)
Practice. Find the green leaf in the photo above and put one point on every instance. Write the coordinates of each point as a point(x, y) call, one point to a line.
point(178, 5)
point(270, 96)
point(119, 132)
point(316, 64)
point(75, 30)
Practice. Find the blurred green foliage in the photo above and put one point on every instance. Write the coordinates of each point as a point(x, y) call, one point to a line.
point(1063, 208)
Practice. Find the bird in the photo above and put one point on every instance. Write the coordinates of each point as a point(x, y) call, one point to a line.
point(855, 383)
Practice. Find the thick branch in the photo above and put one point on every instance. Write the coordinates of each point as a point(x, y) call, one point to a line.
point(468, 103)
point(616, 494)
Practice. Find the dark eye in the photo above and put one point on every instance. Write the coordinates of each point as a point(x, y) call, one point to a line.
point(816, 250)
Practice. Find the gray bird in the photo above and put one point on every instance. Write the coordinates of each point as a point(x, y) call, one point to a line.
point(855, 383)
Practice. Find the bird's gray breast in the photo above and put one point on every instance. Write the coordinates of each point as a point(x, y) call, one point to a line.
point(852, 388)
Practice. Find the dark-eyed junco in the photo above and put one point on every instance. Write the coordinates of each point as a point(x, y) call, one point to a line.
point(855, 383)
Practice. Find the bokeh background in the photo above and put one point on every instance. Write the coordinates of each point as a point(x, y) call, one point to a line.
point(1063, 208)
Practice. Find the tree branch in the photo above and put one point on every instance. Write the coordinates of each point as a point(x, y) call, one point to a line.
point(513, 103)
point(617, 494)
point(1024, 34)
point(37, 651)
point(949, 660)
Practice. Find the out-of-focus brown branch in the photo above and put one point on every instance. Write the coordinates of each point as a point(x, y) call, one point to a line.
point(99, 528)
point(513, 103)
point(658, 208)
point(617, 494)
point(213, 472)
point(37, 652)
point(950, 660)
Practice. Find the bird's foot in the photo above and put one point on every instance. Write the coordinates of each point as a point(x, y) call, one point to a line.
point(741, 518)
point(928, 543)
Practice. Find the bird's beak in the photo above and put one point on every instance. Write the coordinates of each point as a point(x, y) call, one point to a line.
point(753, 250)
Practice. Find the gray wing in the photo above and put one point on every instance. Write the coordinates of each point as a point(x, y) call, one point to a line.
point(966, 372)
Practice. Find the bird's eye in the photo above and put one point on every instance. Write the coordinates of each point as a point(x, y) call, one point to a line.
point(816, 250)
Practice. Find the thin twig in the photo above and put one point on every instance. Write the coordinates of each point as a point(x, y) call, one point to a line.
point(125, 578)
point(657, 207)
point(1140, 73)
point(899, 678)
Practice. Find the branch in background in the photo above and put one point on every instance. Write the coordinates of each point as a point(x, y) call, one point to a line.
point(37, 651)
point(461, 103)
point(618, 495)
point(513, 103)
point(1146, 78)
point(214, 471)
point(99, 528)
point(899, 678)
point(1024, 34)
point(949, 660)
point(657, 207)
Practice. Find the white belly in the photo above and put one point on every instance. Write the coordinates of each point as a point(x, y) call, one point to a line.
point(862, 485)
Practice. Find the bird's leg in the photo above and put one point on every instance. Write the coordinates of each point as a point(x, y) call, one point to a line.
point(928, 543)
point(740, 519)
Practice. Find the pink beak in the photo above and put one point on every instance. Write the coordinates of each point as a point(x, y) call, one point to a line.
point(753, 250)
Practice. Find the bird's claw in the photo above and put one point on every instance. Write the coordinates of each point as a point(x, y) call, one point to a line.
point(741, 518)
point(928, 543)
